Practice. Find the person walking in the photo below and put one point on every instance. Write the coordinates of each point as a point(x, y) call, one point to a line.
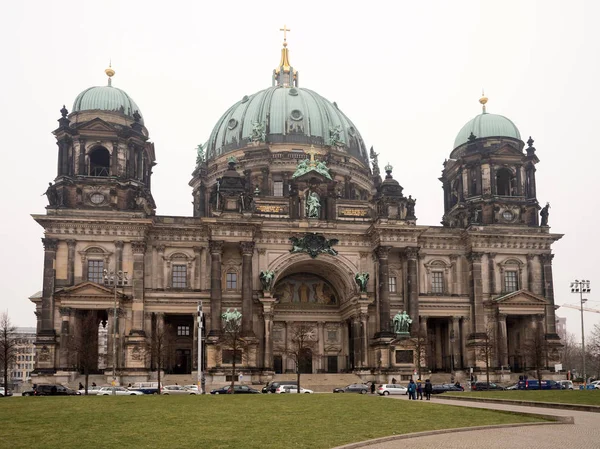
point(419, 390)
point(393, 380)
point(412, 389)
point(372, 387)
point(428, 389)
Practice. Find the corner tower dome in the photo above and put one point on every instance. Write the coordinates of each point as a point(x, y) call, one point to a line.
point(487, 125)
point(285, 114)
point(106, 98)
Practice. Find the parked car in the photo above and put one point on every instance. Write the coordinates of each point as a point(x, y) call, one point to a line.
point(387, 389)
point(596, 384)
point(271, 387)
point(193, 388)
point(294, 389)
point(566, 384)
point(4, 393)
point(176, 389)
point(50, 390)
point(92, 390)
point(534, 384)
point(484, 386)
point(513, 387)
point(146, 387)
point(119, 391)
point(443, 388)
point(353, 388)
point(237, 389)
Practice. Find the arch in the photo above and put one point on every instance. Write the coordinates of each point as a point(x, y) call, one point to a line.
point(99, 162)
point(94, 261)
point(337, 270)
point(505, 182)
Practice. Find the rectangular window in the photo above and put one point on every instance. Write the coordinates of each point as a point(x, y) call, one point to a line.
point(278, 188)
point(231, 281)
point(227, 355)
point(179, 276)
point(96, 271)
point(437, 282)
point(183, 331)
point(511, 283)
point(392, 284)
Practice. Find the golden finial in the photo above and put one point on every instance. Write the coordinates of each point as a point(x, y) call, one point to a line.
point(483, 100)
point(285, 30)
point(109, 72)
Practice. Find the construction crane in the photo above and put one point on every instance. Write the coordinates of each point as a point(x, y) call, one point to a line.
point(585, 309)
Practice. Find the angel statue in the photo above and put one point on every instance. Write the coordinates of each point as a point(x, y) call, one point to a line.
point(266, 279)
point(200, 154)
point(362, 279)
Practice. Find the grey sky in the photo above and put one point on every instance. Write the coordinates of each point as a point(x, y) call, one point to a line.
point(408, 74)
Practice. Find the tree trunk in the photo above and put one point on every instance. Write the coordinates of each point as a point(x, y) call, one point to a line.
point(298, 375)
point(87, 377)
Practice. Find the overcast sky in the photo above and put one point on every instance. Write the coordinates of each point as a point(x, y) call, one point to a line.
point(408, 74)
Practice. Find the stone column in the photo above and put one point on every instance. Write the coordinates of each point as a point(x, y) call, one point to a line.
point(266, 188)
point(356, 337)
point(114, 163)
point(437, 341)
point(50, 247)
point(65, 331)
point(424, 341)
point(546, 260)
point(268, 354)
point(216, 251)
point(160, 267)
point(321, 336)
point(384, 292)
point(118, 255)
point(412, 282)
point(71, 261)
point(138, 248)
point(197, 265)
point(284, 359)
point(456, 345)
point(247, 249)
point(476, 293)
point(502, 340)
point(531, 274)
point(492, 273)
point(365, 339)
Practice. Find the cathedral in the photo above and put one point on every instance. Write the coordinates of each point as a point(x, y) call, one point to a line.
point(293, 222)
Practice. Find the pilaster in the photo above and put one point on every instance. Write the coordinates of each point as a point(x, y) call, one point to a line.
point(216, 252)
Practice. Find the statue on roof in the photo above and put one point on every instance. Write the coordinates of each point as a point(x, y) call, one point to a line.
point(258, 132)
point(200, 156)
point(544, 214)
point(334, 137)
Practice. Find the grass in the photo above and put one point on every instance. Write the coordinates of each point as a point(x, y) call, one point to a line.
point(239, 421)
point(581, 397)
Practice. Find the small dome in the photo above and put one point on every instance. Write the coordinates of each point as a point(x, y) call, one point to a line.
point(294, 115)
point(487, 125)
point(106, 98)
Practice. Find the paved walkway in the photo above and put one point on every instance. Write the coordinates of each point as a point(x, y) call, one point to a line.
point(584, 434)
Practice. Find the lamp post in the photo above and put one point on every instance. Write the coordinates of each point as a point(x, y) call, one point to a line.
point(201, 381)
point(452, 355)
point(114, 279)
point(582, 287)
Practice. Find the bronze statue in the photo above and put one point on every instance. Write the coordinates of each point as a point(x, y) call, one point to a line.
point(362, 279)
point(402, 323)
point(266, 279)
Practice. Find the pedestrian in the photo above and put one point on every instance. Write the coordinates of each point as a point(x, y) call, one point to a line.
point(419, 390)
point(393, 380)
point(412, 389)
point(428, 389)
point(93, 384)
point(372, 387)
point(80, 386)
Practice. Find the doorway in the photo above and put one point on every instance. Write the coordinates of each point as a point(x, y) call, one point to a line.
point(305, 362)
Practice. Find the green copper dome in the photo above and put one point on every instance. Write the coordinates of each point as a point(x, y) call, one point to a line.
point(285, 114)
point(106, 98)
point(487, 125)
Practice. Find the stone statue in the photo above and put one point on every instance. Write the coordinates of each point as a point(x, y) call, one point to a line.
point(544, 214)
point(313, 205)
point(266, 279)
point(402, 323)
point(200, 154)
point(258, 132)
point(362, 279)
point(52, 194)
point(410, 207)
point(334, 137)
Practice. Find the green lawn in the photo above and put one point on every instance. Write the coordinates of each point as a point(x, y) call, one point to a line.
point(584, 397)
point(240, 421)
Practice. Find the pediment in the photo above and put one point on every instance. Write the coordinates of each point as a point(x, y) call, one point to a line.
point(87, 289)
point(521, 297)
point(508, 150)
point(96, 124)
point(312, 177)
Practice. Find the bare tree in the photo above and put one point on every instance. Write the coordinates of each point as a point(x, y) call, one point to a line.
point(159, 347)
point(487, 350)
point(594, 350)
point(536, 348)
point(8, 346)
point(420, 345)
point(233, 340)
point(570, 353)
point(301, 345)
point(83, 345)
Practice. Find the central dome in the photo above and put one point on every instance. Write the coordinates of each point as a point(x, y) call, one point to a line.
point(288, 115)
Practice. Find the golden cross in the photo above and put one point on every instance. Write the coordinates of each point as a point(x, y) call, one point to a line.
point(284, 29)
point(312, 153)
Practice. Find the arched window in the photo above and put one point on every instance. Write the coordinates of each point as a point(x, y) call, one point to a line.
point(99, 162)
point(504, 182)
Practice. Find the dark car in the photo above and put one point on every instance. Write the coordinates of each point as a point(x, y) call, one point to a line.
point(51, 390)
point(353, 388)
point(272, 387)
point(534, 384)
point(237, 389)
point(443, 388)
point(484, 386)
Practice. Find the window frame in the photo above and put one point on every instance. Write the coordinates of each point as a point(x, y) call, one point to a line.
point(437, 282)
point(278, 187)
point(231, 283)
point(392, 284)
point(179, 274)
point(98, 277)
point(514, 273)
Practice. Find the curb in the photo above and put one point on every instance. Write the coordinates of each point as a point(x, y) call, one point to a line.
point(557, 405)
point(556, 419)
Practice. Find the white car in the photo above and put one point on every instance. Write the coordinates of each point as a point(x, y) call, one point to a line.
point(294, 389)
point(119, 391)
point(193, 388)
point(387, 389)
point(176, 389)
point(3, 393)
point(91, 390)
point(596, 384)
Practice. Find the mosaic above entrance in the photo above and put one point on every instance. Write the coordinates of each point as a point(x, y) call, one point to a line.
point(305, 289)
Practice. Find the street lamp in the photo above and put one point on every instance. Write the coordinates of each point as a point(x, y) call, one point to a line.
point(115, 279)
point(201, 380)
point(582, 287)
point(452, 355)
